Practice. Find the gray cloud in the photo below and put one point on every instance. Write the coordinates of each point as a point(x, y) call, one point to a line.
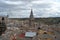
point(21, 8)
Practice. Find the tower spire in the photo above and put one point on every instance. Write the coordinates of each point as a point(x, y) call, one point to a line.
point(31, 14)
point(31, 19)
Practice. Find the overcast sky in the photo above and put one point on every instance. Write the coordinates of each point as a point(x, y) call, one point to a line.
point(22, 8)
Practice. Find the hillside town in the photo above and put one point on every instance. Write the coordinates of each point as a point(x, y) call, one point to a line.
point(28, 29)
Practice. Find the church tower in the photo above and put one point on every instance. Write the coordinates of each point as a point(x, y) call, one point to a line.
point(31, 15)
point(31, 19)
point(3, 27)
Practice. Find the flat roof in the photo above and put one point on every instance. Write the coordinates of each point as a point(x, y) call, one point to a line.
point(30, 34)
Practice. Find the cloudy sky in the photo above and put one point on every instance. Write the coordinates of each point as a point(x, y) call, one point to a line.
point(22, 8)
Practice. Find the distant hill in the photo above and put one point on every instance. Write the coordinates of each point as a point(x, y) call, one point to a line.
point(50, 20)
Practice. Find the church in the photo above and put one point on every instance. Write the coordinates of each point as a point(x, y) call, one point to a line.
point(24, 23)
point(29, 20)
point(3, 27)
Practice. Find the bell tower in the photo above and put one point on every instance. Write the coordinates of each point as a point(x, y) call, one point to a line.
point(3, 26)
point(31, 15)
point(31, 19)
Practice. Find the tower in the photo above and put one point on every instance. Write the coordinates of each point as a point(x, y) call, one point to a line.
point(31, 15)
point(31, 19)
point(3, 24)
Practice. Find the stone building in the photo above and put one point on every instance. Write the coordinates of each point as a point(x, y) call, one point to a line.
point(3, 22)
